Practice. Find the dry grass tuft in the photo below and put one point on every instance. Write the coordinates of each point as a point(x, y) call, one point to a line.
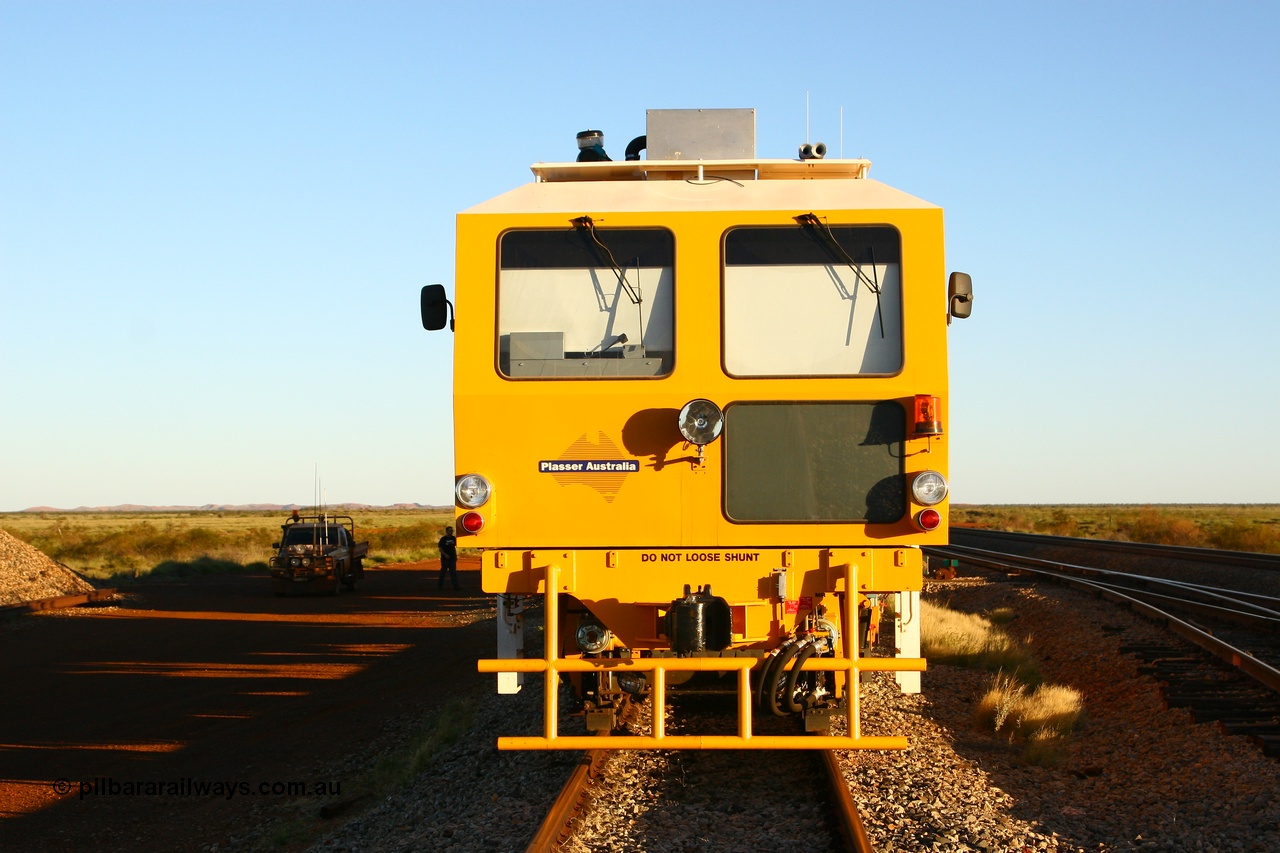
point(1001, 615)
point(1037, 716)
point(1039, 719)
point(969, 640)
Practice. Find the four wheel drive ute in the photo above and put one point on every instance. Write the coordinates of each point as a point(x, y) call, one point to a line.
point(317, 550)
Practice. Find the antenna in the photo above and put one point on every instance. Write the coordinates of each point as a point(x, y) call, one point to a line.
point(842, 132)
point(806, 116)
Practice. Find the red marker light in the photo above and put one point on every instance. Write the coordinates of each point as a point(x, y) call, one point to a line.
point(927, 422)
point(471, 522)
point(929, 519)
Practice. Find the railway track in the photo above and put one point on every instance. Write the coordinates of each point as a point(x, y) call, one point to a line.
point(1252, 610)
point(574, 799)
point(843, 828)
point(1227, 670)
point(959, 535)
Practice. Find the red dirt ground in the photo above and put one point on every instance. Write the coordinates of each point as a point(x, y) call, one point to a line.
point(210, 680)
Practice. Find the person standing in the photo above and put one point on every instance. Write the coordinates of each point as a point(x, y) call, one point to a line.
point(448, 557)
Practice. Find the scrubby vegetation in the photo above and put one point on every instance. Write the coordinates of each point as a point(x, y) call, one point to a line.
point(1011, 706)
point(440, 729)
point(973, 641)
point(1249, 527)
point(129, 545)
point(1035, 715)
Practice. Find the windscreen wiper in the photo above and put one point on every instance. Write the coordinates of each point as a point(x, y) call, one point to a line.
point(601, 251)
point(828, 241)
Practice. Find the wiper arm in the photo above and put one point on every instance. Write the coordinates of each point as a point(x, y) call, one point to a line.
point(828, 241)
point(584, 224)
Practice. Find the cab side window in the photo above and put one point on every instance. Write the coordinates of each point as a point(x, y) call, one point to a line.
point(586, 303)
point(812, 300)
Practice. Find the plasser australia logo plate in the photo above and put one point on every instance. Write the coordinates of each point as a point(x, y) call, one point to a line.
point(626, 466)
point(595, 464)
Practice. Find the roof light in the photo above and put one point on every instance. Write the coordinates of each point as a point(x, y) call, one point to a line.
point(927, 422)
point(471, 522)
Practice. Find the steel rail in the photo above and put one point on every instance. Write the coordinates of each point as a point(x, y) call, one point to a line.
point(1252, 615)
point(1264, 674)
point(557, 826)
point(1184, 552)
point(60, 601)
point(849, 821)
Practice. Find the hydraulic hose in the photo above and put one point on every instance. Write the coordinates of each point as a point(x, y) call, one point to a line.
point(808, 647)
point(766, 671)
point(775, 675)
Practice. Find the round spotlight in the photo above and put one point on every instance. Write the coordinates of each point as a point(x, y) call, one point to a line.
point(929, 488)
point(471, 522)
point(701, 422)
point(472, 491)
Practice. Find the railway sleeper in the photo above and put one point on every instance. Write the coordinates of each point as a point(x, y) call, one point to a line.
point(1160, 657)
point(1211, 715)
point(1237, 726)
point(1208, 686)
point(1209, 703)
point(1270, 744)
point(1171, 670)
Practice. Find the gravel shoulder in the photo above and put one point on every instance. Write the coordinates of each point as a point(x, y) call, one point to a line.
point(215, 681)
point(1134, 775)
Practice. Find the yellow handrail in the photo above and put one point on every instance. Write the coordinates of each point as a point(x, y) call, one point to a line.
point(851, 663)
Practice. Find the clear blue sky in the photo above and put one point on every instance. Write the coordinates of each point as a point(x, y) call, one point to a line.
point(215, 218)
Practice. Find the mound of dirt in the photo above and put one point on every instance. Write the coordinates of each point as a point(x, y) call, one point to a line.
point(28, 574)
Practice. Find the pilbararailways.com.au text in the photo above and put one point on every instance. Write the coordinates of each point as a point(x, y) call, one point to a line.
point(108, 786)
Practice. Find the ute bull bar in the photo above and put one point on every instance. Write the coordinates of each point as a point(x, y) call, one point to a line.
point(551, 666)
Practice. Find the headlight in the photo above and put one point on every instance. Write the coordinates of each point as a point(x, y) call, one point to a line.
point(929, 488)
point(701, 421)
point(472, 491)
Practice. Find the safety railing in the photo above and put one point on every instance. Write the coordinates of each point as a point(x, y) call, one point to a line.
point(551, 666)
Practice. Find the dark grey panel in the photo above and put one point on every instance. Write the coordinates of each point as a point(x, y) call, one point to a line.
point(795, 244)
point(815, 462)
point(573, 248)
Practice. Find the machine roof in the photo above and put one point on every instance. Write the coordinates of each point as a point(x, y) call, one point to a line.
point(647, 185)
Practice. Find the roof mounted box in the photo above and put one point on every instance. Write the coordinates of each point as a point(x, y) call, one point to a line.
point(701, 134)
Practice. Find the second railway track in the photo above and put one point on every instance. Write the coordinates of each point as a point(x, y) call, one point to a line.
point(1220, 659)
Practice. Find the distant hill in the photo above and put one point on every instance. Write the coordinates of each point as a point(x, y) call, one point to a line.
point(229, 508)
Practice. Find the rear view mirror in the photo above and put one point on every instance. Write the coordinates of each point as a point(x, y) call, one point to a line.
point(960, 295)
point(435, 308)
